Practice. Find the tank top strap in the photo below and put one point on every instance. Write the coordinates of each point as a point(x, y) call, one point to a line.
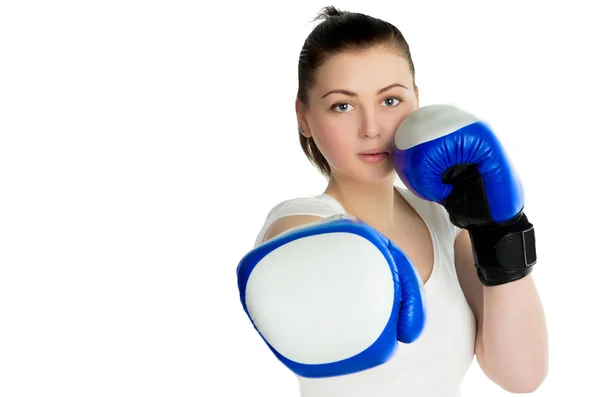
point(322, 206)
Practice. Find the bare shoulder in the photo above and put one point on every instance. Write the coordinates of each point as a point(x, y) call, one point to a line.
point(288, 222)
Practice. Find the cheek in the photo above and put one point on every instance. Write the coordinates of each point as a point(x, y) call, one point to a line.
point(334, 141)
point(409, 107)
point(397, 119)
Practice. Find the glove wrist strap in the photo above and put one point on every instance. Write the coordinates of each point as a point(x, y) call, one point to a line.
point(504, 252)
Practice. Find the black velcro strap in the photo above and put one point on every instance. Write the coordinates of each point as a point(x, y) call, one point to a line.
point(517, 250)
point(504, 252)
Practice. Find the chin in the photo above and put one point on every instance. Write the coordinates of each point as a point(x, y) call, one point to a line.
point(375, 175)
point(368, 174)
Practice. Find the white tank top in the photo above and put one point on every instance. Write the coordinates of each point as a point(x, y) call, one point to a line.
point(435, 364)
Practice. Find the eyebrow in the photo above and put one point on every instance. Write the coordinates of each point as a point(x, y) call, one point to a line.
point(350, 93)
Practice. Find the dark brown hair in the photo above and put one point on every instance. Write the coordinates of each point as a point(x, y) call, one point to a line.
point(341, 31)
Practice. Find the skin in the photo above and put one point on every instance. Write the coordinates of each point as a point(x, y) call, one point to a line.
point(511, 343)
point(358, 123)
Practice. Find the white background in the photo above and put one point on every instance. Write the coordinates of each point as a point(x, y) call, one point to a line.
point(143, 143)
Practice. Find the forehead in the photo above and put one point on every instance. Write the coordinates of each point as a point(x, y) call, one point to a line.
point(367, 69)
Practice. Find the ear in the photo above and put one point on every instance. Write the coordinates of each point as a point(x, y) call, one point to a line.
point(301, 118)
point(417, 95)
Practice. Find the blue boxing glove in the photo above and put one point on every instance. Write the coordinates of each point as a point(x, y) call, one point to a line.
point(331, 298)
point(446, 155)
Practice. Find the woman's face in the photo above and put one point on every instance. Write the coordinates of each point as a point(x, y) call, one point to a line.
point(358, 101)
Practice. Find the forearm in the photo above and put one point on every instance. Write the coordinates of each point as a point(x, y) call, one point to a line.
point(515, 341)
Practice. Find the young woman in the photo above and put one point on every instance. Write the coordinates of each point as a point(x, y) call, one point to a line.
point(356, 86)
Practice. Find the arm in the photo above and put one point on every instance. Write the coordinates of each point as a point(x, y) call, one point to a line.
point(468, 172)
point(512, 344)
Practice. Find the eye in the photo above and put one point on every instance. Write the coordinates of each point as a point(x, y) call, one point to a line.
point(344, 107)
point(390, 101)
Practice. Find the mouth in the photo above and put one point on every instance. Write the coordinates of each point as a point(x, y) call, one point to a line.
point(374, 156)
point(374, 152)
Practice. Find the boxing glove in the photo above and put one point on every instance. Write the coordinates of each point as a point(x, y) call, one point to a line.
point(447, 155)
point(331, 298)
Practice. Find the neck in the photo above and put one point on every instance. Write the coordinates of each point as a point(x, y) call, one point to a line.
point(373, 203)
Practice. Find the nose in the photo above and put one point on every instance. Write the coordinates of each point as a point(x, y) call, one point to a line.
point(370, 126)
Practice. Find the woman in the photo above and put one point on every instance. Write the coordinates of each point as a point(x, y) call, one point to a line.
point(356, 86)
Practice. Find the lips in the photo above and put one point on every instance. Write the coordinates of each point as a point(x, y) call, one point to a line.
point(375, 151)
point(374, 157)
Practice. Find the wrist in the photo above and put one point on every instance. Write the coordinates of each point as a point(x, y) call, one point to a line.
point(504, 252)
